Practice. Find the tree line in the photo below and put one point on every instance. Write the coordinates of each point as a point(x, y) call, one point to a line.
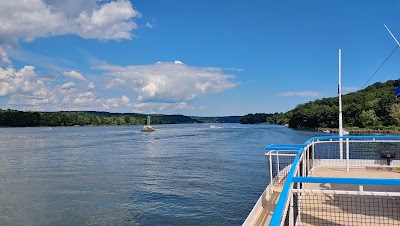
point(373, 107)
point(14, 118)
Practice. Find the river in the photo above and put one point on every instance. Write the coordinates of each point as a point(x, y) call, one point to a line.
point(185, 174)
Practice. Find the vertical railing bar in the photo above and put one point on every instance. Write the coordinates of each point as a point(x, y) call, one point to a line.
point(277, 163)
point(341, 149)
point(308, 159)
point(270, 172)
point(312, 155)
point(347, 155)
point(298, 209)
point(291, 212)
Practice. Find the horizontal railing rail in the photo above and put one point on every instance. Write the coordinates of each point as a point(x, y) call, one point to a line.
point(303, 164)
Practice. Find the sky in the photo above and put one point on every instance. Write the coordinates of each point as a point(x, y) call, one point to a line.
point(198, 57)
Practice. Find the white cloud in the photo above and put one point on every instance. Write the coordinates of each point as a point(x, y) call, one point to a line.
point(4, 60)
point(72, 8)
point(157, 88)
point(91, 85)
point(68, 85)
point(114, 103)
point(12, 81)
point(74, 75)
point(168, 82)
point(149, 25)
point(84, 98)
point(31, 19)
point(27, 91)
point(182, 105)
point(346, 90)
point(300, 94)
point(156, 107)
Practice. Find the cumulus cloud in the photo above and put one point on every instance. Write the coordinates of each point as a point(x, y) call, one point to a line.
point(159, 88)
point(91, 85)
point(12, 81)
point(74, 75)
point(72, 8)
point(124, 101)
point(4, 60)
point(31, 19)
point(68, 85)
point(300, 94)
point(27, 91)
point(168, 82)
point(156, 107)
point(346, 90)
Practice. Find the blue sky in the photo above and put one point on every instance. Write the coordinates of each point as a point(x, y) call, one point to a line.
point(206, 58)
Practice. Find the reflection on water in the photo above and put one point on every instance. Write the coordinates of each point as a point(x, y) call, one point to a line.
point(179, 175)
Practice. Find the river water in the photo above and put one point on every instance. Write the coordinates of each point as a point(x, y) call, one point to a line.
point(186, 174)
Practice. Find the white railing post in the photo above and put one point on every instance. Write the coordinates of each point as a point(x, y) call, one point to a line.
point(298, 218)
point(277, 162)
point(347, 155)
point(312, 154)
point(304, 165)
point(308, 159)
point(270, 171)
point(291, 212)
point(341, 149)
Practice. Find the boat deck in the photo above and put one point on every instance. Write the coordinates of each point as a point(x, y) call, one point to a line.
point(355, 172)
point(332, 209)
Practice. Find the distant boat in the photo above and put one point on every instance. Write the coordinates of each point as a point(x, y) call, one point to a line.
point(326, 131)
point(48, 128)
point(215, 127)
point(345, 132)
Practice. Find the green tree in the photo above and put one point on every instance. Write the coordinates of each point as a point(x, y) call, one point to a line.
point(395, 114)
point(369, 118)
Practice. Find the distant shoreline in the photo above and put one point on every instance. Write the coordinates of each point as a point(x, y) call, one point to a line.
point(361, 131)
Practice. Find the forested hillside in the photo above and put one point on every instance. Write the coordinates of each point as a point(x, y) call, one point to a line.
point(14, 118)
point(223, 119)
point(276, 118)
point(372, 107)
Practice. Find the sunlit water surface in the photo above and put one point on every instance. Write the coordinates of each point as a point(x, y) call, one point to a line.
point(191, 174)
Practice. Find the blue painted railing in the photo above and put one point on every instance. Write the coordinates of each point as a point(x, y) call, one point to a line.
point(280, 207)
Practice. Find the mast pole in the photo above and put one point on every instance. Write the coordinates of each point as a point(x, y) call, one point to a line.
point(340, 94)
point(340, 105)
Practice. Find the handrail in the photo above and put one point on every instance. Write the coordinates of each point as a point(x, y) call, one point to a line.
point(342, 180)
point(282, 148)
point(351, 137)
point(285, 147)
point(280, 206)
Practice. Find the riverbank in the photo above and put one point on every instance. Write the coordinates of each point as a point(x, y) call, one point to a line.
point(361, 131)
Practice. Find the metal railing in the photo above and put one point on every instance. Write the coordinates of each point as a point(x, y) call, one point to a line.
point(291, 165)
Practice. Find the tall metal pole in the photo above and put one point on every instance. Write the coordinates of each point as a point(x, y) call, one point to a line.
point(340, 94)
point(340, 105)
